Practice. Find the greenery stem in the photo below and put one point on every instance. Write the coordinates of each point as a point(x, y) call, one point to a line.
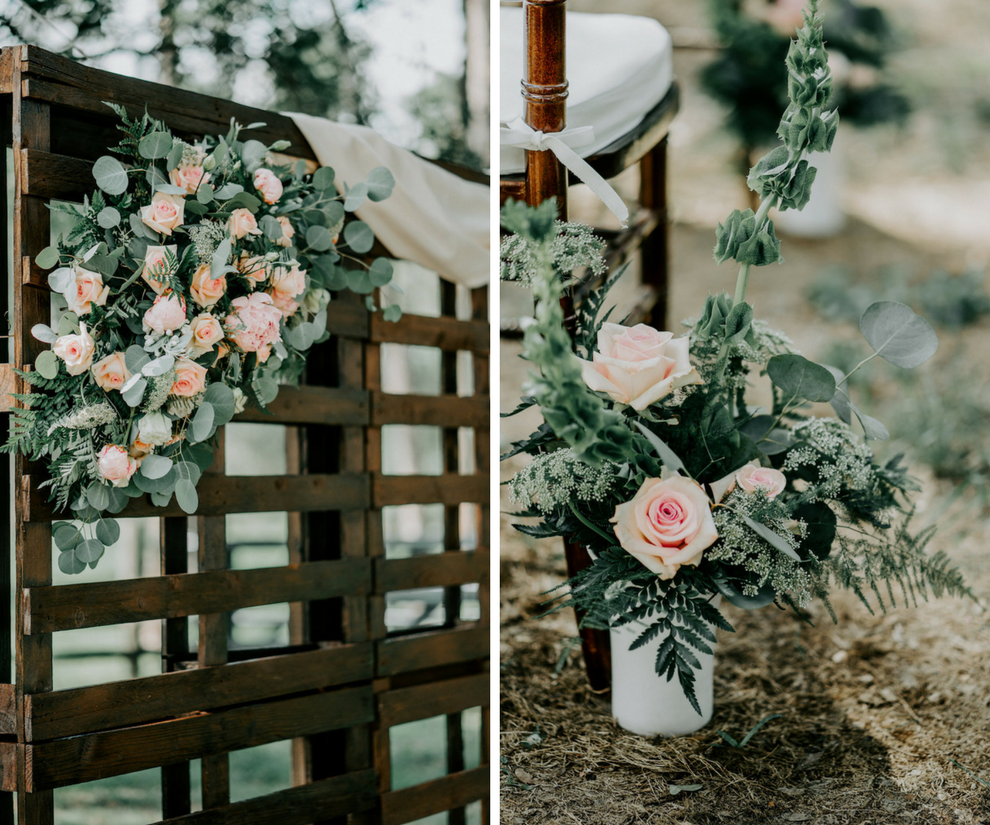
point(742, 279)
point(584, 520)
point(860, 364)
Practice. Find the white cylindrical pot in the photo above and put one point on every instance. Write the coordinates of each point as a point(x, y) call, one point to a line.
point(823, 216)
point(647, 704)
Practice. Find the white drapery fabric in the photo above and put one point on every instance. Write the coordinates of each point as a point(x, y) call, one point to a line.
point(432, 217)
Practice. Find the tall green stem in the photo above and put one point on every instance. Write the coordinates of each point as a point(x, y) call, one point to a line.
point(742, 279)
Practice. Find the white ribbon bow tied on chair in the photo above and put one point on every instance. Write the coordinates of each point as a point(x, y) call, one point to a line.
point(520, 134)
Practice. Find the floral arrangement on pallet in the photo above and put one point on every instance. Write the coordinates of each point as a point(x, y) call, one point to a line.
point(654, 457)
point(195, 280)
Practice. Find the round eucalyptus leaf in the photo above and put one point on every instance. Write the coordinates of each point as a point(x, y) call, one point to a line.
point(359, 236)
point(392, 313)
point(800, 378)
point(136, 358)
point(159, 366)
point(302, 336)
point(69, 564)
point(165, 484)
point(174, 156)
point(897, 334)
point(380, 272)
point(110, 175)
point(319, 238)
point(61, 280)
point(355, 196)
point(186, 496)
point(205, 194)
point(228, 190)
point(323, 178)
point(253, 154)
point(118, 500)
point(271, 227)
point(221, 398)
point(161, 499)
point(266, 389)
point(66, 536)
point(154, 146)
point(380, 183)
point(188, 470)
point(108, 531)
point(68, 324)
point(48, 257)
point(47, 364)
point(134, 395)
point(97, 495)
point(359, 282)
point(201, 425)
point(89, 551)
point(155, 466)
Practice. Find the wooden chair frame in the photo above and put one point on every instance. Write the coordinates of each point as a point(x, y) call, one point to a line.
point(343, 681)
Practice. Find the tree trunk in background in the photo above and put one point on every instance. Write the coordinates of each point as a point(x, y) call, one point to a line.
point(168, 56)
point(477, 18)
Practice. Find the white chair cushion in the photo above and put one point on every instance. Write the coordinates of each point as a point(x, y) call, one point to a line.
point(619, 67)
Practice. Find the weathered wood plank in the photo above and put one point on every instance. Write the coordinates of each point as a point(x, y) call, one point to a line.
point(450, 488)
point(219, 495)
point(6, 387)
point(111, 753)
point(437, 410)
point(401, 705)
point(73, 606)
point(313, 405)
point(424, 650)
point(62, 177)
point(437, 570)
point(444, 333)
point(8, 711)
point(435, 796)
point(350, 793)
point(8, 766)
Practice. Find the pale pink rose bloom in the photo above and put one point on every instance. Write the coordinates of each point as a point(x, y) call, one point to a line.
point(76, 351)
point(166, 314)
point(786, 16)
point(89, 290)
point(189, 177)
point(207, 333)
point(242, 223)
point(287, 232)
point(753, 475)
point(268, 184)
point(254, 269)
point(115, 465)
point(159, 263)
point(666, 525)
point(253, 324)
point(205, 289)
point(190, 378)
point(638, 365)
point(165, 214)
point(111, 373)
point(287, 284)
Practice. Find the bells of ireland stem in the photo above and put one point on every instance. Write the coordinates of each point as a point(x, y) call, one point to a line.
point(713, 316)
point(738, 228)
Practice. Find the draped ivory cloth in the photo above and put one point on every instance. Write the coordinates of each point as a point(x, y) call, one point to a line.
point(432, 217)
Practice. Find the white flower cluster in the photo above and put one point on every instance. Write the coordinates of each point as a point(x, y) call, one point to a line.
point(206, 237)
point(558, 478)
point(157, 393)
point(574, 246)
point(86, 418)
point(841, 459)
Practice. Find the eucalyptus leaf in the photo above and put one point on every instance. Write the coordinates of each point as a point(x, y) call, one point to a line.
point(392, 313)
point(108, 531)
point(769, 439)
point(221, 398)
point(48, 257)
point(108, 218)
point(897, 334)
point(160, 499)
point(155, 145)
point(201, 425)
point(155, 466)
point(358, 281)
point(170, 189)
point(110, 175)
point(136, 358)
point(380, 271)
point(355, 196)
point(798, 377)
point(118, 500)
point(380, 183)
point(271, 227)
point(163, 484)
point(186, 496)
point(220, 258)
point(134, 395)
point(253, 154)
point(771, 537)
point(61, 280)
point(323, 178)
point(68, 324)
point(318, 238)
point(195, 208)
point(205, 194)
point(302, 336)
point(667, 455)
point(228, 191)
point(97, 496)
point(141, 229)
point(159, 366)
point(69, 564)
point(46, 364)
point(359, 237)
point(266, 389)
point(66, 536)
point(188, 470)
point(174, 156)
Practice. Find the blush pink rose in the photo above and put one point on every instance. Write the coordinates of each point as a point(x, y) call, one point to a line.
point(166, 314)
point(76, 351)
point(287, 285)
point(638, 365)
point(165, 214)
point(288, 233)
point(254, 269)
point(753, 475)
point(667, 524)
point(159, 263)
point(89, 290)
point(253, 324)
point(111, 373)
point(190, 378)
point(242, 223)
point(115, 465)
point(207, 333)
point(205, 289)
point(189, 176)
point(268, 184)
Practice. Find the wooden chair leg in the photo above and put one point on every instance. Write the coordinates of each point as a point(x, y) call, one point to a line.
point(655, 247)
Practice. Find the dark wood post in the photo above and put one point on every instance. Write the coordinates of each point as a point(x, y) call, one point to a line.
point(655, 248)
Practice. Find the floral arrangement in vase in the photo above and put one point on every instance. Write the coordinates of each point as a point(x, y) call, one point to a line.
point(195, 280)
point(685, 491)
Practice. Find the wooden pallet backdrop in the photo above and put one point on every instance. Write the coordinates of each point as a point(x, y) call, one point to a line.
point(344, 681)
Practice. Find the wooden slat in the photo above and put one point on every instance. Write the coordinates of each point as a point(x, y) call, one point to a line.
point(6, 387)
point(95, 756)
point(350, 793)
point(438, 570)
point(73, 606)
point(57, 176)
point(219, 495)
point(440, 647)
point(8, 711)
point(398, 706)
point(437, 410)
point(446, 489)
point(8, 766)
point(313, 405)
point(444, 333)
point(428, 798)
point(348, 319)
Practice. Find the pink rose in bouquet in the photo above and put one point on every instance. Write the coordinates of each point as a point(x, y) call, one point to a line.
point(89, 290)
point(207, 333)
point(254, 269)
point(190, 378)
point(667, 524)
point(253, 324)
point(205, 289)
point(111, 373)
point(115, 465)
point(242, 224)
point(159, 261)
point(287, 285)
point(76, 351)
point(189, 176)
point(753, 475)
point(165, 214)
point(166, 314)
point(268, 185)
point(288, 233)
point(638, 365)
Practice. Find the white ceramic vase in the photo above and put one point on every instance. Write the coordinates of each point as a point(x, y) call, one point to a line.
point(823, 216)
point(647, 704)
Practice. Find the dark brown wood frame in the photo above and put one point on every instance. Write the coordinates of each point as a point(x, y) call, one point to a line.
point(344, 681)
